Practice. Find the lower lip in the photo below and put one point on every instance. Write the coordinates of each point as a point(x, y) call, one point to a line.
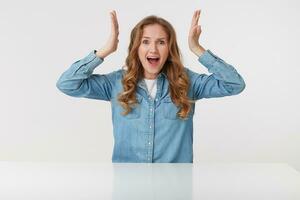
point(153, 64)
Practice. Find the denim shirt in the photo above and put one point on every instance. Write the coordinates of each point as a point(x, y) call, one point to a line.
point(151, 132)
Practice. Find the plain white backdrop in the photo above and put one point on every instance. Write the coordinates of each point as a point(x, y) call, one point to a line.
point(41, 39)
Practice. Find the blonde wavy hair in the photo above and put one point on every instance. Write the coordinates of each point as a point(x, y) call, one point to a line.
point(173, 68)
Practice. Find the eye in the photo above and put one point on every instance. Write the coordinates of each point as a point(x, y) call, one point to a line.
point(145, 42)
point(161, 42)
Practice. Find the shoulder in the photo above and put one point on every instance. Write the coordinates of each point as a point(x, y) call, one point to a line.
point(116, 74)
point(191, 74)
point(112, 77)
point(195, 76)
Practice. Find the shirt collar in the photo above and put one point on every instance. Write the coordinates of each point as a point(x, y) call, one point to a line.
point(142, 83)
point(162, 74)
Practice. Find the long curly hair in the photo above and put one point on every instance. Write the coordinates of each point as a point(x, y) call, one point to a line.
point(173, 68)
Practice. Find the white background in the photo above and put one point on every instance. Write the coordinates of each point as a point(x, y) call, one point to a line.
point(39, 40)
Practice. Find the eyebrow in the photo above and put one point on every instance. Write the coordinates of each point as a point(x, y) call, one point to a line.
point(157, 38)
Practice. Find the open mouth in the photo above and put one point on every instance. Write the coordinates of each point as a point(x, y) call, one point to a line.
point(153, 60)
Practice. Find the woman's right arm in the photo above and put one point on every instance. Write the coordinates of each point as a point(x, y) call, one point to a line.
point(79, 80)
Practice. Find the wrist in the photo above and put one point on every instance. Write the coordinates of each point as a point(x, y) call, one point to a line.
point(101, 53)
point(198, 51)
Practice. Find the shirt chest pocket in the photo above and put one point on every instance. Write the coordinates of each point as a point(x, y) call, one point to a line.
point(170, 109)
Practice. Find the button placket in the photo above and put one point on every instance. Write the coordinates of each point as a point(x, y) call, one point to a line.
point(151, 128)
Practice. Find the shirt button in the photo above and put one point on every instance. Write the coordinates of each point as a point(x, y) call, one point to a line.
point(156, 99)
point(149, 142)
point(150, 126)
point(150, 109)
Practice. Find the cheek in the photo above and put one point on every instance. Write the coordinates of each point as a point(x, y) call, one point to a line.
point(140, 54)
point(141, 51)
point(165, 52)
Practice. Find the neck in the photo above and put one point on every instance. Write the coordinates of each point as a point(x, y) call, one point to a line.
point(150, 78)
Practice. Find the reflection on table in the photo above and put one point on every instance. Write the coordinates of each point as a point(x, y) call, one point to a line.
point(132, 181)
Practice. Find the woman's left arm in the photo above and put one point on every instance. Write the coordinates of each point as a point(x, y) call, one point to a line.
point(224, 80)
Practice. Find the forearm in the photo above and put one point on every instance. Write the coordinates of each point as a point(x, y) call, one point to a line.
point(72, 78)
point(101, 53)
point(222, 71)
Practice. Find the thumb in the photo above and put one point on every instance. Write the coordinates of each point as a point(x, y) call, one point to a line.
point(198, 29)
point(193, 30)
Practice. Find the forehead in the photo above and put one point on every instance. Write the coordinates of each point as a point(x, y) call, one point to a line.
point(154, 31)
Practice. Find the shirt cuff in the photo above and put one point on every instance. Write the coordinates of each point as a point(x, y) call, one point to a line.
point(208, 59)
point(92, 60)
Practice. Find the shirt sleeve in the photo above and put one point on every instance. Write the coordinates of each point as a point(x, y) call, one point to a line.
point(224, 80)
point(79, 81)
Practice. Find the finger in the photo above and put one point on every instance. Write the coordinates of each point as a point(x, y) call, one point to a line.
point(198, 16)
point(112, 21)
point(114, 24)
point(113, 14)
point(116, 19)
point(193, 31)
point(194, 18)
point(198, 30)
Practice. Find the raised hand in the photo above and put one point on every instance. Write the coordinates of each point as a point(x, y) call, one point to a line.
point(194, 34)
point(112, 43)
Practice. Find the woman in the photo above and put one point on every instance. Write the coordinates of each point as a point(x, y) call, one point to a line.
point(153, 96)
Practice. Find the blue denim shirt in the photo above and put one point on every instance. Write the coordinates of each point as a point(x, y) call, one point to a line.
point(151, 132)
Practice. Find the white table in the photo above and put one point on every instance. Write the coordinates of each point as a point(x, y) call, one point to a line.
point(105, 181)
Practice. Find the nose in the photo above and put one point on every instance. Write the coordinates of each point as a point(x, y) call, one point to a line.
point(153, 47)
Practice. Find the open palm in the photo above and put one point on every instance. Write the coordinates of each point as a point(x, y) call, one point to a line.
point(195, 31)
